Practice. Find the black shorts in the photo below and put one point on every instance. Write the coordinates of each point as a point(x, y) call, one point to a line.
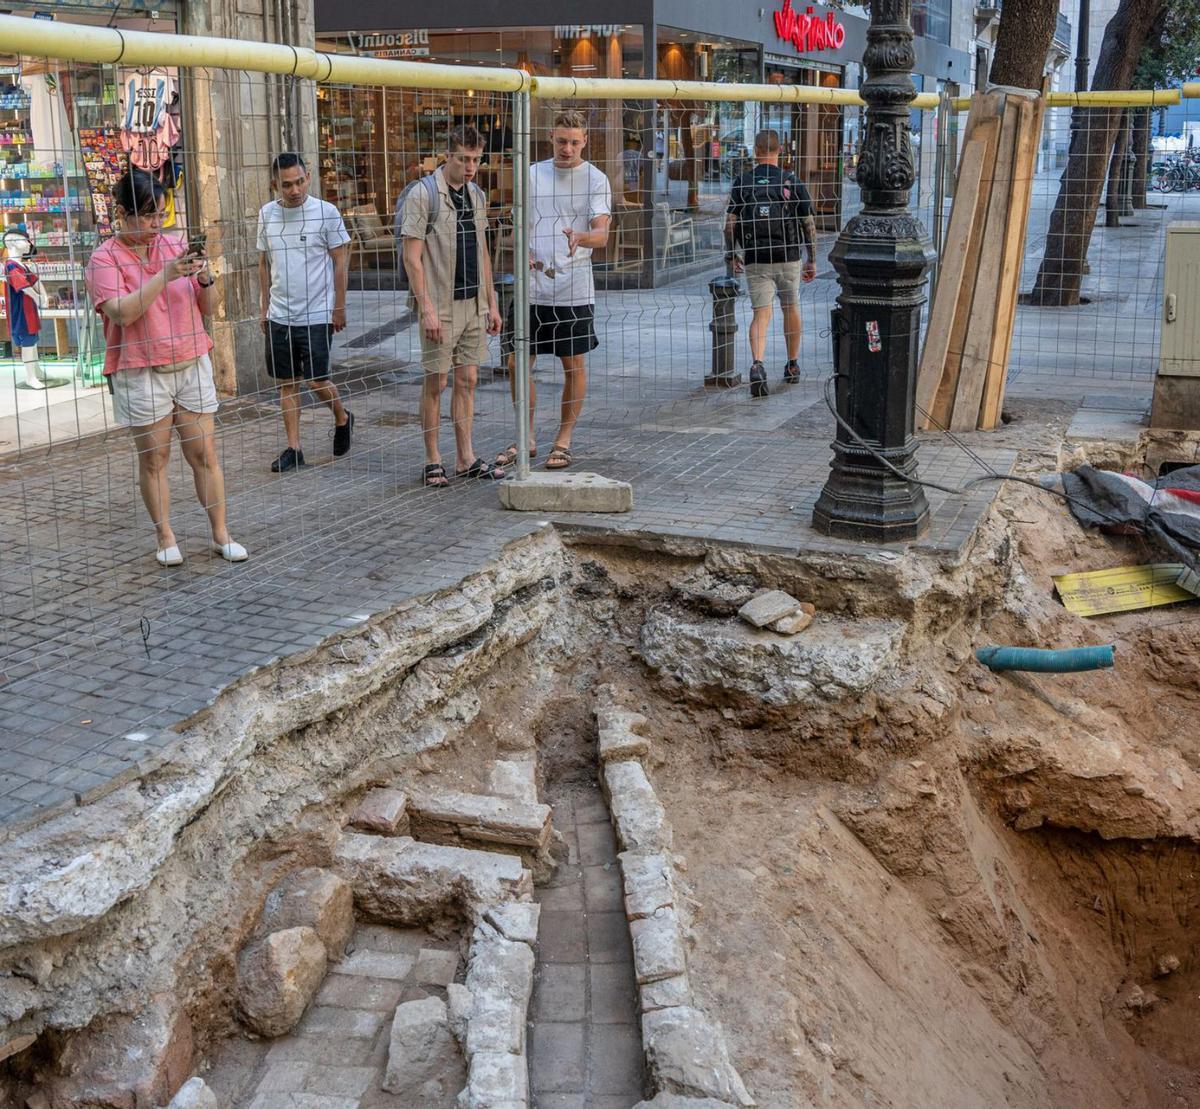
point(561, 330)
point(298, 351)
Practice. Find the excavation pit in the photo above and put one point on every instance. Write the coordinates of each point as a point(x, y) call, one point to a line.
point(854, 865)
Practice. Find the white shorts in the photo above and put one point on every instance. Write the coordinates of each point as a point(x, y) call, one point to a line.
point(142, 397)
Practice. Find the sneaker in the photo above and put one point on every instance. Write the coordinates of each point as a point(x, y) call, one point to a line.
point(758, 380)
point(341, 436)
point(791, 372)
point(290, 460)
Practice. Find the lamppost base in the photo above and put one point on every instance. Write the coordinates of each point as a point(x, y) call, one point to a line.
point(865, 502)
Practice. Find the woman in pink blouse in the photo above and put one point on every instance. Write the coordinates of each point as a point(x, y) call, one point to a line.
point(153, 295)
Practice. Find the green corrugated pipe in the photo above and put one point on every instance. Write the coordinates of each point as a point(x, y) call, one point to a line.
point(1063, 661)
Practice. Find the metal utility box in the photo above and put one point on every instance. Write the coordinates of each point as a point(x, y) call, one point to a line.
point(1177, 386)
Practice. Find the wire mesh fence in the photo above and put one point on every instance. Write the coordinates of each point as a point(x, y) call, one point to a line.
point(297, 277)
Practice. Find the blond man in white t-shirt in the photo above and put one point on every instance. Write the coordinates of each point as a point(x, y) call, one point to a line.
point(570, 209)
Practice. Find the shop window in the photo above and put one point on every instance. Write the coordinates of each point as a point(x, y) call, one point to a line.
point(931, 18)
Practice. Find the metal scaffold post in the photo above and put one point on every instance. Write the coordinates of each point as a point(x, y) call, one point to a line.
point(520, 216)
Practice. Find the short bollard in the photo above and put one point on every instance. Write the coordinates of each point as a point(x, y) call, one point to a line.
point(725, 291)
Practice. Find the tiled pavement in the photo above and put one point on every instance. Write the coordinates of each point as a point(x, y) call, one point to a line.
point(101, 651)
point(337, 1055)
point(585, 1045)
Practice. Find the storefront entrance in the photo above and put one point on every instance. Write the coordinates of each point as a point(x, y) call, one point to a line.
point(813, 137)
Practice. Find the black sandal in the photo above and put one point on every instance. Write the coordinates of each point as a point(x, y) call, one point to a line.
point(435, 476)
point(481, 471)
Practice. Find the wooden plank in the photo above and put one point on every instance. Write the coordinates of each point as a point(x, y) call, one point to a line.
point(1022, 194)
point(984, 124)
point(981, 320)
point(955, 250)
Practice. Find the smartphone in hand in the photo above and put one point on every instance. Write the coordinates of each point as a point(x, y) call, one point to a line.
point(197, 242)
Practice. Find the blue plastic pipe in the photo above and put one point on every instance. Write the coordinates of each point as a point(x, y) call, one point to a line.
point(1047, 662)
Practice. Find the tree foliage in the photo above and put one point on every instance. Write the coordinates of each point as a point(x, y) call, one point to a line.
point(1172, 49)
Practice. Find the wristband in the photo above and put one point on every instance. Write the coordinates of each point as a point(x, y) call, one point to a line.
point(206, 284)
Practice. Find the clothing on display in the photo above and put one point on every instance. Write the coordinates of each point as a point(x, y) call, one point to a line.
point(149, 129)
point(24, 319)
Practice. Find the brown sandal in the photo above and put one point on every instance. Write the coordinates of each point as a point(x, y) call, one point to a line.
point(508, 456)
point(559, 458)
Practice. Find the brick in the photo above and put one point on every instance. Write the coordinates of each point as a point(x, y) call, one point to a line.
point(351, 1024)
point(382, 811)
point(435, 967)
point(377, 964)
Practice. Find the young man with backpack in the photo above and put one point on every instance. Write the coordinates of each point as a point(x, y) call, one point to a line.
point(770, 216)
point(441, 222)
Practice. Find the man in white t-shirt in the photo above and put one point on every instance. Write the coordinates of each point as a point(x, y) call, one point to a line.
point(570, 208)
point(303, 270)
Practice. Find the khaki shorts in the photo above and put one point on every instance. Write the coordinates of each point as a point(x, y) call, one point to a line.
point(464, 340)
point(142, 397)
point(765, 282)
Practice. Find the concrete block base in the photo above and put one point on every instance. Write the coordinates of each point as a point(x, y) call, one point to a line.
point(566, 492)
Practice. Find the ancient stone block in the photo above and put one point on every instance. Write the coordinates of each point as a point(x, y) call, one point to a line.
point(474, 816)
point(517, 921)
point(768, 607)
point(640, 820)
point(686, 1055)
point(382, 811)
point(666, 1100)
point(618, 732)
point(459, 1003)
point(666, 993)
point(424, 1063)
point(435, 967)
point(649, 883)
point(277, 977)
point(514, 778)
point(403, 882)
point(194, 1094)
point(316, 899)
point(657, 947)
point(500, 978)
point(567, 492)
point(496, 1080)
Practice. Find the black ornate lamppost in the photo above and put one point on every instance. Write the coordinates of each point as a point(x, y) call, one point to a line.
point(881, 257)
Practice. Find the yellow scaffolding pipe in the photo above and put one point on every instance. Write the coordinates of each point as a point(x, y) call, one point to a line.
point(80, 43)
point(1191, 89)
point(1115, 98)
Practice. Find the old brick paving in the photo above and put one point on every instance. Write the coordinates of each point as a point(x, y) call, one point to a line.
point(585, 1048)
point(337, 1055)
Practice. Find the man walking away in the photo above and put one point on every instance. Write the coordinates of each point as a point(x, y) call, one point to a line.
point(770, 215)
point(570, 208)
point(443, 228)
point(303, 270)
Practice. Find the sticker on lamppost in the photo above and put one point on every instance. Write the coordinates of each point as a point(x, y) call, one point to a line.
point(873, 343)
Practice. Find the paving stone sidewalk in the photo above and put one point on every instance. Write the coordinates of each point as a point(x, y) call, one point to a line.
point(102, 652)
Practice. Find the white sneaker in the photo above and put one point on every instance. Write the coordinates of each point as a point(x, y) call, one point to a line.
point(169, 556)
point(231, 551)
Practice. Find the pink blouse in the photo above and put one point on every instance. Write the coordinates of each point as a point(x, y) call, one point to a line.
point(171, 329)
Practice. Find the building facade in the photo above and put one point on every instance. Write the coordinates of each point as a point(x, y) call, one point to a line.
point(670, 164)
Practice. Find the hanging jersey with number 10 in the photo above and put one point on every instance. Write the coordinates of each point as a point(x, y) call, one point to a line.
point(148, 130)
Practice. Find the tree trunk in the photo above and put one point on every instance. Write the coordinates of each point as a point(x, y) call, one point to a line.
point(1093, 132)
point(1023, 41)
point(1141, 154)
point(1116, 173)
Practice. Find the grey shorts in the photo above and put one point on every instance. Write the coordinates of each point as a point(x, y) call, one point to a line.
point(771, 280)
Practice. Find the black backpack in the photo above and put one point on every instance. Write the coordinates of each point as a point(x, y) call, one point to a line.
point(768, 217)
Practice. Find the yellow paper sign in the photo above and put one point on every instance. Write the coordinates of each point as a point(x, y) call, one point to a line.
point(1123, 589)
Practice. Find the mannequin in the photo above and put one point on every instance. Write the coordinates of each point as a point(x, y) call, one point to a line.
point(26, 297)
